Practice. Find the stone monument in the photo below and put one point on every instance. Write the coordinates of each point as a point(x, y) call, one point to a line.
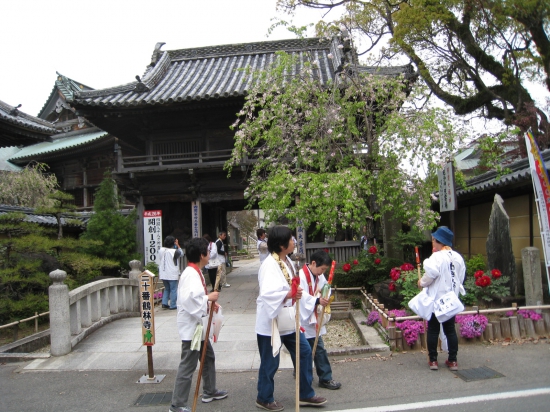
point(499, 245)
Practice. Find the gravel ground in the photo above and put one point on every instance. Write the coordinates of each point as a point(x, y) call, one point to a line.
point(341, 334)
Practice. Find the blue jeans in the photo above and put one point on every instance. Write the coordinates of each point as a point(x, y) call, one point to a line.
point(270, 364)
point(322, 364)
point(170, 292)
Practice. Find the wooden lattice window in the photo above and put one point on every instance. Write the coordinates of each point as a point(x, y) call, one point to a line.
point(176, 148)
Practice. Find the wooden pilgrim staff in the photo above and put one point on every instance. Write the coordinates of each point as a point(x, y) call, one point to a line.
point(320, 323)
point(417, 255)
point(203, 355)
point(297, 357)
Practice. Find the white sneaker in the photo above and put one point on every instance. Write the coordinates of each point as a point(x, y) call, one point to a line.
point(226, 285)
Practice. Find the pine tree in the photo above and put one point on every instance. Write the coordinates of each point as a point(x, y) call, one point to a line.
point(116, 232)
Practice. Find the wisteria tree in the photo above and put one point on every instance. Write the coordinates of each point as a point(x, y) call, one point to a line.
point(477, 56)
point(333, 155)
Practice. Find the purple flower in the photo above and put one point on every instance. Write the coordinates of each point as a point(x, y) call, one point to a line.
point(471, 326)
point(529, 314)
point(411, 329)
point(373, 317)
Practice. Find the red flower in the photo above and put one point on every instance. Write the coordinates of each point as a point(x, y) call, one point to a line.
point(355, 262)
point(373, 250)
point(326, 250)
point(496, 273)
point(392, 287)
point(479, 274)
point(395, 273)
point(483, 281)
point(346, 267)
point(406, 267)
point(377, 261)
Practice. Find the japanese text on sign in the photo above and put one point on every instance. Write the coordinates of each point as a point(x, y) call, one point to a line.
point(447, 193)
point(301, 239)
point(147, 306)
point(152, 234)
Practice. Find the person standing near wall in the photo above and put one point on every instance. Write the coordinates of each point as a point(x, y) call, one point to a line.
point(169, 271)
point(444, 270)
point(262, 245)
point(222, 255)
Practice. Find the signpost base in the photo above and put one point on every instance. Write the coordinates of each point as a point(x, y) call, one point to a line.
point(154, 379)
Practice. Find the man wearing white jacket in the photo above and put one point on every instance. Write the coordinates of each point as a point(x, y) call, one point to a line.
point(193, 298)
point(444, 271)
point(312, 280)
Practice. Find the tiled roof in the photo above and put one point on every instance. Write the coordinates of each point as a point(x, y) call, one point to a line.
point(11, 114)
point(59, 142)
point(5, 154)
point(213, 72)
point(45, 220)
point(519, 172)
point(67, 87)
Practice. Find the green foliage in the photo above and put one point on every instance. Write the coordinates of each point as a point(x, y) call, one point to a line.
point(364, 273)
point(497, 289)
point(475, 263)
point(336, 147)
point(107, 225)
point(61, 204)
point(407, 286)
point(477, 57)
point(407, 241)
point(29, 187)
point(152, 267)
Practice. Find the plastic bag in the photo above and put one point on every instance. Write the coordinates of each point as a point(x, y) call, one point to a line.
point(217, 322)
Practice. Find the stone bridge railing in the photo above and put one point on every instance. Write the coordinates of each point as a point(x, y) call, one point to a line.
point(76, 314)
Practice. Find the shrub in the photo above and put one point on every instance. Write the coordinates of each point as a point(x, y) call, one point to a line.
point(404, 283)
point(366, 269)
point(373, 317)
point(471, 326)
point(487, 286)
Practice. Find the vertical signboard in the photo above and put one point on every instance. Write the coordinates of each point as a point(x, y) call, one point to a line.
point(447, 193)
point(147, 305)
point(301, 239)
point(152, 234)
point(196, 218)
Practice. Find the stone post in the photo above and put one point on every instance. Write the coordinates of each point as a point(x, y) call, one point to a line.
point(532, 280)
point(135, 265)
point(60, 320)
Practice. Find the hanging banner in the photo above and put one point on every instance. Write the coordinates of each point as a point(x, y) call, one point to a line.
point(196, 218)
point(147, 305)
point(447, 192)
point(541, 187)
point(152, 234)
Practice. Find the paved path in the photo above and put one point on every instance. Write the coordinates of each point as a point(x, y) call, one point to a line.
point(117, 346)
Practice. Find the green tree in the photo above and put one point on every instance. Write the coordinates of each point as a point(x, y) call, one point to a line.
point(29, 187)
point(247, 221)
point(61, 206)
point(116, 232)
point(474, 55)
point(336, 148)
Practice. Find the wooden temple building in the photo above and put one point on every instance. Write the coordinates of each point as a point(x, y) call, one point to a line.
point(166, 136)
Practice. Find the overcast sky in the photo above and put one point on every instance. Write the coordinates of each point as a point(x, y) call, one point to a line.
point(104, 43)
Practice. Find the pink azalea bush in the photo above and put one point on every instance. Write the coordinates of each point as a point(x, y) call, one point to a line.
point(373, 317)
point(471, 326)
point(525, 314)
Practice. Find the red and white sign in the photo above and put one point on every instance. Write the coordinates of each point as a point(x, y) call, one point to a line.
point(152, 234)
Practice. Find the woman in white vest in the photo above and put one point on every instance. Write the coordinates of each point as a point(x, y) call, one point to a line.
point(169, 271)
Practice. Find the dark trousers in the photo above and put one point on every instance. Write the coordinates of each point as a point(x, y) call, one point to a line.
point(321, 361)
point(212, 276)
point(433, 335)
point(269, 365)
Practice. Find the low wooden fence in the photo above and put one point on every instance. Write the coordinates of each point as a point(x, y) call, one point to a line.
point(340, 251)
point(15, 325)
point(509, 327)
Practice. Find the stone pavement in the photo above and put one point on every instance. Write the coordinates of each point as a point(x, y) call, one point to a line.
point(117, 346)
